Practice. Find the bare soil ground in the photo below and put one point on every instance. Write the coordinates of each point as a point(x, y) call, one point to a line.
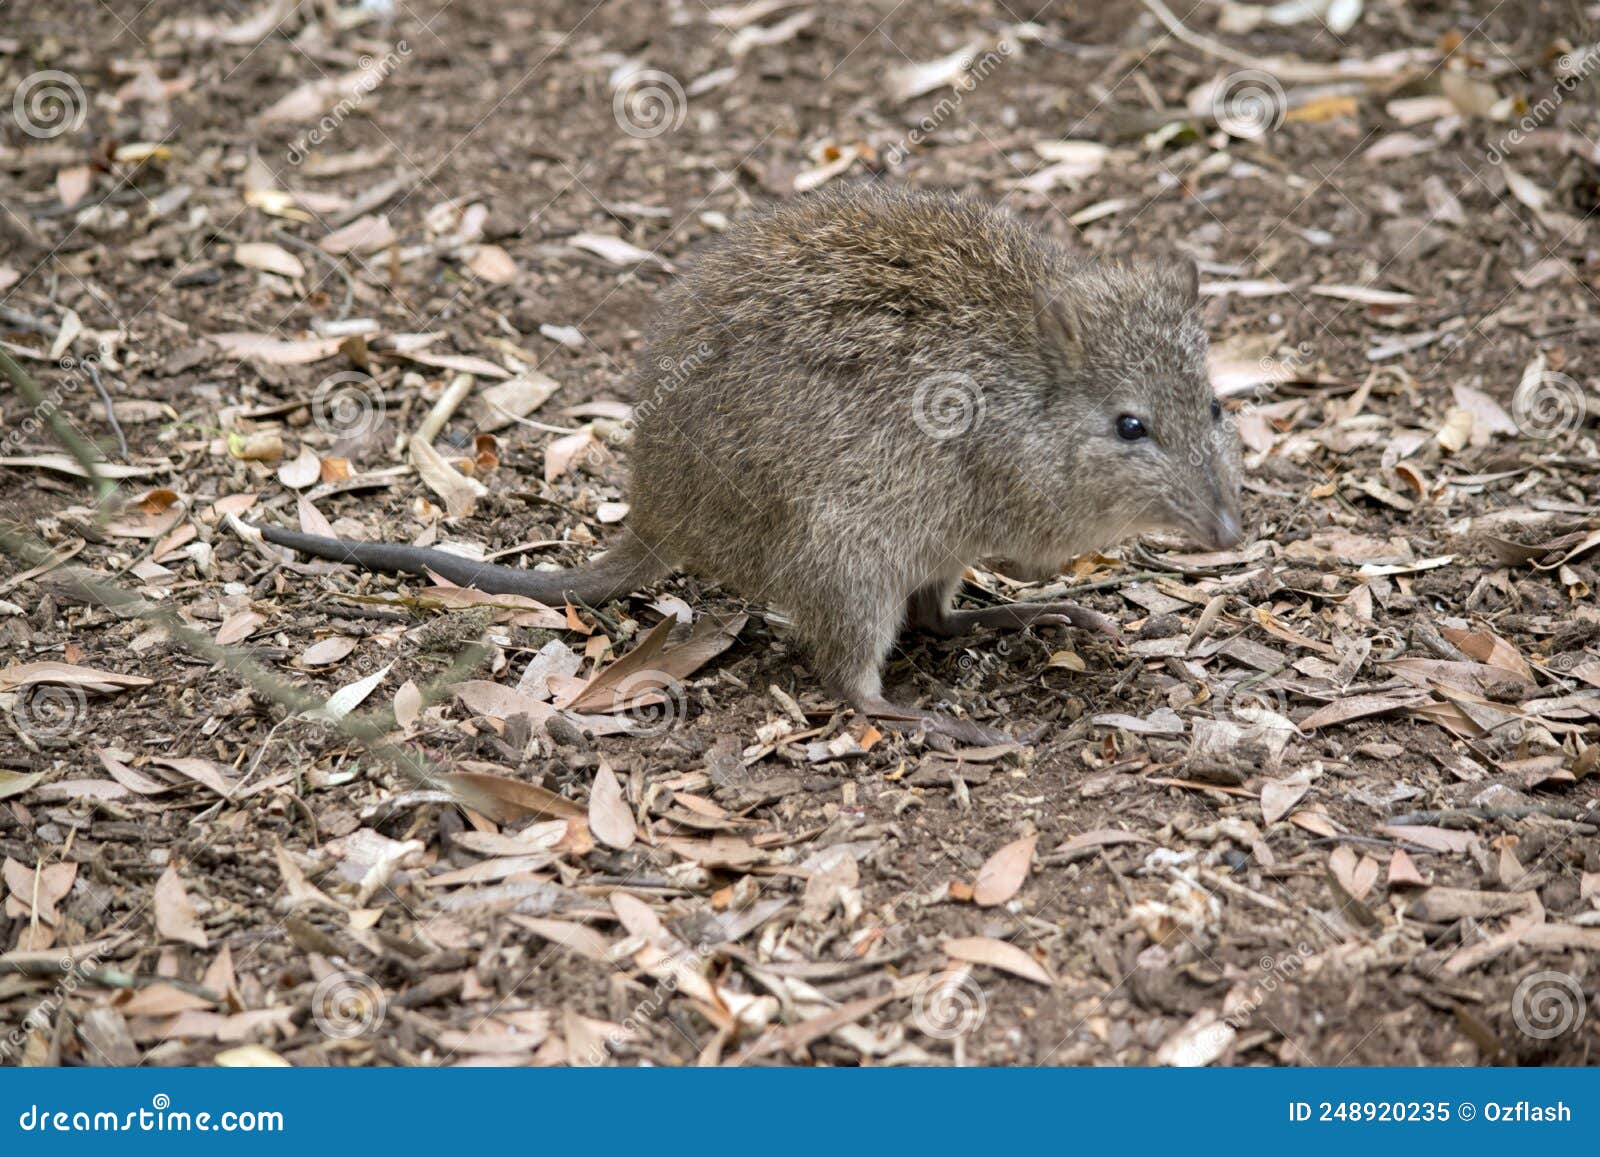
point(1331, 800)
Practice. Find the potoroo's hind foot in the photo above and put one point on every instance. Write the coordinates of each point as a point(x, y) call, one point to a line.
point(1012, 617)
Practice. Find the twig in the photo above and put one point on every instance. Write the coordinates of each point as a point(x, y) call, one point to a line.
point(1145, 556)
point(111, 411)
point(450, 399)
point(105, 977)
point(27, 321)
point(85, 454)
point(370, 730)
point(1559, 811)
point(338, 267)
point(1121, 580)
point(1194, 40)
point(371, 199)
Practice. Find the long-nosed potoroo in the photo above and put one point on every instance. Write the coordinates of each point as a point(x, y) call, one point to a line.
point(848, 400)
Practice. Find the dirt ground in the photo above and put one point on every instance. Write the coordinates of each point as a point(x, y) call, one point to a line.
point(1330, 799)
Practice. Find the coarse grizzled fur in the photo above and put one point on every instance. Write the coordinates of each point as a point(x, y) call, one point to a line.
point(847, 400)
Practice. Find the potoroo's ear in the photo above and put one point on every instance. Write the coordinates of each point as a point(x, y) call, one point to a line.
point(1059, 326)
point(1184, 276)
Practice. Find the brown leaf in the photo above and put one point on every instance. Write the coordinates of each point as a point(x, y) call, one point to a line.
point(647, 674)
point(175, 914)
point(363, 235)
point(1316, 823)
point(408, 705)
point(998, 954)
point(263, 347)
point(583, 940)
point(492, 263)
point(1358, 707)
point(237, 628)
point(70, 675)
point(160, 1000)
point(326, 652)
point(1489, 648)
point(1403, 871)
point(610, 818)
point(1003, 873)
point(269, 258)
point(129, 778)
point(73, 184)
point(1101, 838)
point(508, 800)
point(202, 771)
point(720, 851)
point(795, 1038)
point(38, 892)
point(1356, 874)
point(1432, 838)
point(1278, 796)
point(15, 783)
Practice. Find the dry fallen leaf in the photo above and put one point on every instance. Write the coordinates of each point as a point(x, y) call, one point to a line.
point(175, 914)
point(1003, 873)
point(68, 675)
point(276, 351)
point(998, 954)
point(492, 263)
point(508, 800)
point(1356, 874)
point(269, 258)
point(1278, 796)
point(459, 492)
point(610, 818)
point(363, 235)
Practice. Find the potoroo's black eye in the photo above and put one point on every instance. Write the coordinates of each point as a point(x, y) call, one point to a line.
point(1131, 429)
point(1216, 410)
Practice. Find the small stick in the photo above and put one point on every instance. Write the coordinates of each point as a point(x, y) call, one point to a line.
point(85, 454)
point(1559, 811)
point(27, 321)
point(338, 267)
point(111, 411)
point(449, 401)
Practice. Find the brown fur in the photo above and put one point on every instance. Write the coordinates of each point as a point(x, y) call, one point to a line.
point(793, 439)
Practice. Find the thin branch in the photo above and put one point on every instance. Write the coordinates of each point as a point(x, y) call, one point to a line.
point(87, 456)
